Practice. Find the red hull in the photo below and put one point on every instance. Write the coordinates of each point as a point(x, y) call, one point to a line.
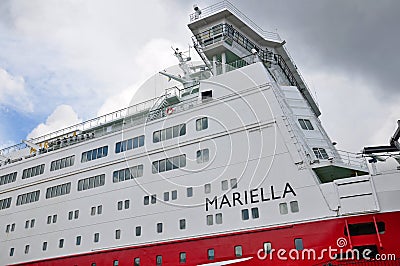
point(315, 235)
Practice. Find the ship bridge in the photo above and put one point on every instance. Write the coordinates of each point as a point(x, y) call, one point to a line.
point(225, 38)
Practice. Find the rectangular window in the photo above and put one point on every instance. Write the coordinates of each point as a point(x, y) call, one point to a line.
point(119, 205)
point(159, 260)
point(202, 156)
point(54, 218)
point(28, 197)
point(169, 164)
point(166, 196)
point(365, 229)
point(294, 206)
point(146, 200)
point(44, 246)
point(96, 237)
point(254, 213)
point(138, 231)
point(33, 171)
point(116, 263)
point(207, 188)
point(129, 144)
point(93, 211)
point(58, 190)
point(209, 219)
point(224, 184)
point(8, 178)
point(298, 243)
point(283, 208)
point(91, 182)
point(159, 227)
point(126, 204)
point(78, 240)
point(189, 192)
point(5, 203)
point(174, 194)
point(62, 163)
point(153, 199)
point(128, 173)
point(201, 123)
point(267, 247)
point(26, 249)
point(245, 214)
point(118, 234)
point(100, 209)
point(61, 243)
point(233, 183)
point(136, 262)
point(94, 154)
point(182, 257)
point(169, 133)
point(218, 218)
point(182, 224)
point(320, 153)
point(11, 252)
point(211, 254)
point(306, 124)
point(238, 251)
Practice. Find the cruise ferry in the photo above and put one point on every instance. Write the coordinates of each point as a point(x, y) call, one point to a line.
point(230, 166)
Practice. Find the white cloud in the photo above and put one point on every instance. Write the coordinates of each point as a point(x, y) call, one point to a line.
point(13, 93)
point(63, 116)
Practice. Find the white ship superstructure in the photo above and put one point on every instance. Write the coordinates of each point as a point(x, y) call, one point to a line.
point(231, 161)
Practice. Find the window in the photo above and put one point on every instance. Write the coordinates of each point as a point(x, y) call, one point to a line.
point(26, 249)
point(11, 252)
point(238, 251)
point(44, 246)
point(93, 211)
point(78, 240)
point(245, 214)
point(61, 243)
point(5, 203)
point(96, 237)
point(136, 262)
point(233, 183)
point(202, 156)
point(73, 215)
point(254, 213)
point(267, 247)
point(207, 188)
point(8, 178)
point(91, 182)
point(26, 224)
point(153, 199)
point(306, 124)
point(126, 204)
point(129, 144)
point(100, 209)
point(76, 214)
point(189, 192)
point(146, 200)
point(166, 196)
point(209, 219)
point(128, 173)
point(206, 95)
point(54, 218)
point(159, 260)
point(58, 190)
point(283, 208)
point(138, 231)
point(169, 164)
point(294, 206)
point(320, 153)
point(201, 123)
point(224, 184)
point(174, 194)
point(182, 257)
point(116, 263)
point(94, 154)
point(169, 133)
point(218, 218)
point(211, 254)
point(118, 234)
point(298, 243)
point(62, 163)
point(33, 171)
point(159, 227)
point(119, 205)
point(182, 224)
point(28, 197)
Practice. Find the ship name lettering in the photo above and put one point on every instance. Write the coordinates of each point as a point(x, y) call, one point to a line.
point(252, 196)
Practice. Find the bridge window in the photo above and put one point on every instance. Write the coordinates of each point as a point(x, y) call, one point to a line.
point(320, 153)
point(306, 124)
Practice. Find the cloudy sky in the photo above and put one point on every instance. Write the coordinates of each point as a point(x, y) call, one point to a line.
point(65, 61)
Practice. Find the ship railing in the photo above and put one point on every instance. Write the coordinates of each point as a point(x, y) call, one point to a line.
point(84, 127)
point(228, 6)
point(352, 159)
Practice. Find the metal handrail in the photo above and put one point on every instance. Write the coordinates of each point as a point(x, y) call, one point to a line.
point(352, 159)
point(227, 5)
